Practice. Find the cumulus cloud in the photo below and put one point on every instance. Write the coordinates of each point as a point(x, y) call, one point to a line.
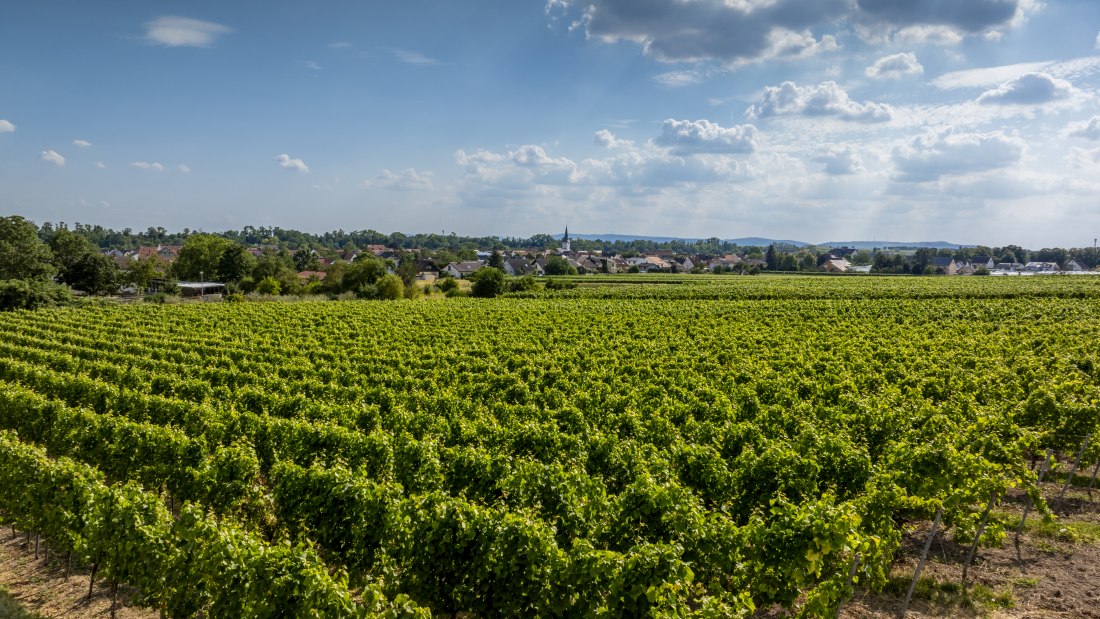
point(101, 165)
point(53, 157)
point(932, 155)
point(1089, 129)
point(734, 31)
point(184, 168)
point(686, 137)
point(286, 163)
point(840, 160)
point(1028, 89)
point(737, 31)
point(173, 31)
point(151, 166)
point(895, 66)
point(1098, 40)
point(825, 99)
point(403, 180)
point(6, 126)
point(607, 139)
point(82, 143)
point(517, 176)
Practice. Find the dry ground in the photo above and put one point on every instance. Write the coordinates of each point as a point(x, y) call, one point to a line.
point(40, 587)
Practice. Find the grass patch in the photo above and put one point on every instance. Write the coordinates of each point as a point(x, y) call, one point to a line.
point(10, 609)
point(948, 595)
point(1054, 529)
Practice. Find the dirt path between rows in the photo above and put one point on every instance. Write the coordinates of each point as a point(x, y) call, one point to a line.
point(40, 586)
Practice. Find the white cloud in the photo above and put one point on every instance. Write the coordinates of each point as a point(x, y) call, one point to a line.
point(339, 45)
point(987, 76)
point(101, 165)
point(840, 160)
point(6, 126)
point(1089, 129)
point(312, 66)
point(53, 157)
point(414, 58)
point(606, 139)
point(82, 143)
point(685, 137)
point(408, 179)
point(1098, 40)
point(825, 99)
point(146, 165)
point(287, 163)
point(678, 79)
point(934, 154)
point(173, 31)
point(895, 66)
point(1028, 89)
point(184, 168)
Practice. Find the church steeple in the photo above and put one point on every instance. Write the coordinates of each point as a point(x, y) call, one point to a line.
point(565, 242)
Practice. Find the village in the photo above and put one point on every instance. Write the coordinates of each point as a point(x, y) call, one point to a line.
point(314, 266)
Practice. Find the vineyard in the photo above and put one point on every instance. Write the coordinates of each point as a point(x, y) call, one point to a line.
point(704, 447)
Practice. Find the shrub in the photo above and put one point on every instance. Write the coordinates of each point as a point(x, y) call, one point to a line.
point(27, 294)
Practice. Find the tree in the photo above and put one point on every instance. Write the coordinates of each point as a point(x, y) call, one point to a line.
point(22, 254)
point(496, 261)
point(772, 258)
point(94, 273)
point(390, 287)
point(235, 264)
point(305, 260)
point(200, 256)
point(268, 285)
point(68, 248)
point(81, 266)
point(365, 271)
point(556, 265)
point(406, 269)
point(144, 271)
point(488, 282)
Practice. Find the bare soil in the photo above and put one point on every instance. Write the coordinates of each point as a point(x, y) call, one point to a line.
point(40, 587)
point(1058, 575)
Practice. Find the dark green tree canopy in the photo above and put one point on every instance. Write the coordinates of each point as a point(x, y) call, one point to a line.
point(22, 254)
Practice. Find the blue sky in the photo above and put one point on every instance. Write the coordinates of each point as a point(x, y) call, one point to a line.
point(816, 120)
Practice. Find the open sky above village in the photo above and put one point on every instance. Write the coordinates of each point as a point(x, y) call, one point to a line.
point(972, 121)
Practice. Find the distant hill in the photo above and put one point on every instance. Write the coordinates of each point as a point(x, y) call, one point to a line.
point(757, 241)
point(626, 238)
point(894, 244)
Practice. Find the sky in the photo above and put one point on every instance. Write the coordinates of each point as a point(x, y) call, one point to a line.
point(973, 121)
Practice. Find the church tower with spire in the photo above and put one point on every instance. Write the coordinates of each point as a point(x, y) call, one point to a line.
point(565, 242)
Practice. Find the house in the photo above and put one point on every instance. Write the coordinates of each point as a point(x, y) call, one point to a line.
point(460, 270)
point(1008, 266)
point(1041, 267)
point(983, 261)
point(308, 275)
point(838, 265)
point(1074, 266)
point(684, 265)
point(517, 266)
point(590, 265)
point(946, 264)
point(377, 249)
